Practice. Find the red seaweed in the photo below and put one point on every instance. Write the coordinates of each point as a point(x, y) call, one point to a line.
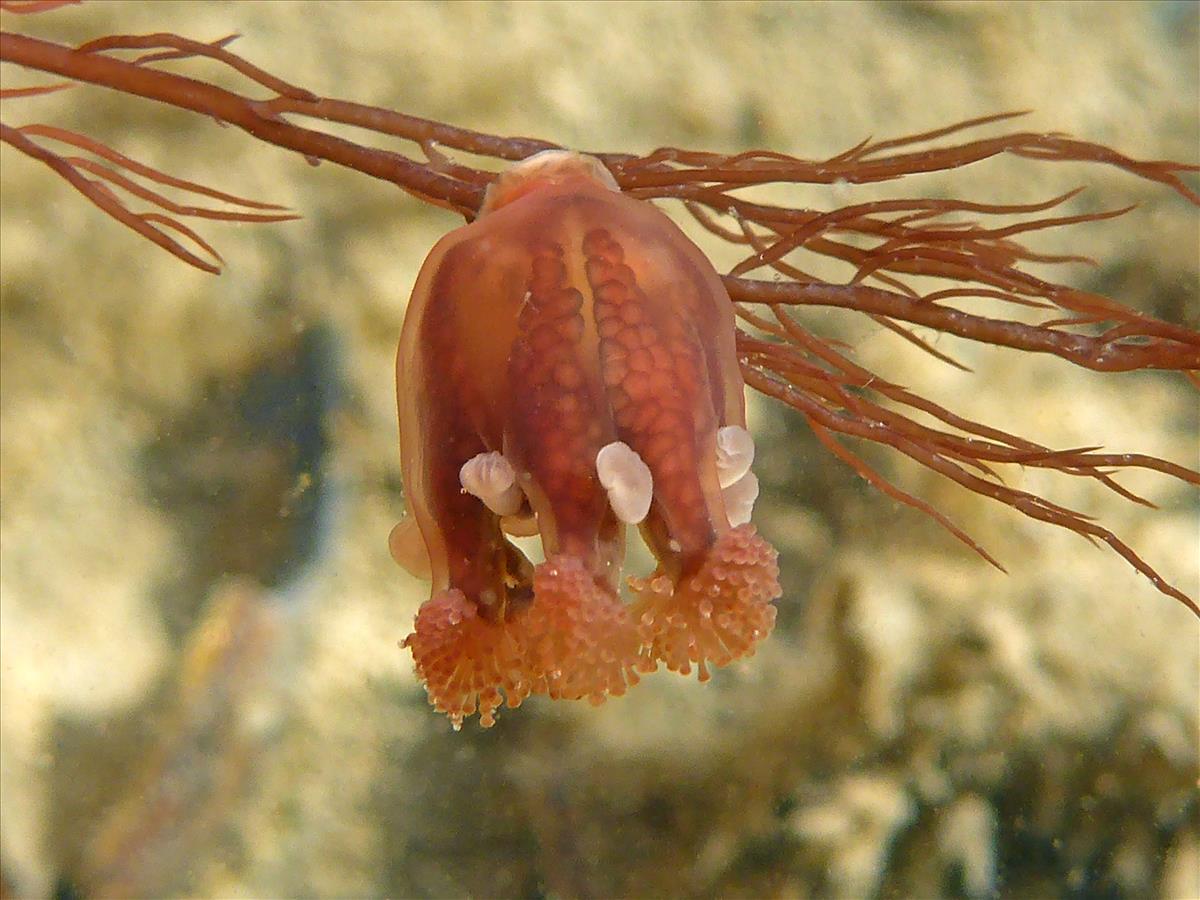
point(885, 243)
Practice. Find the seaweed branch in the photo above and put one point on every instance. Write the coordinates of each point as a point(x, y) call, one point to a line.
point(884, 244)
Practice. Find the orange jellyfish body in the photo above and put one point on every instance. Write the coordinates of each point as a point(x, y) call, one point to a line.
point(567, 367)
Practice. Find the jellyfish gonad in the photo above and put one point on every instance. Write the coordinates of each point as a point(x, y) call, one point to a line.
point(566, 369)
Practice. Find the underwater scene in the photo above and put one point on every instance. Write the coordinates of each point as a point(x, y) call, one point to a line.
point(203, 690)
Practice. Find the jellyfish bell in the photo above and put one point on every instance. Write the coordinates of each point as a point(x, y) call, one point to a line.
point(567, 362)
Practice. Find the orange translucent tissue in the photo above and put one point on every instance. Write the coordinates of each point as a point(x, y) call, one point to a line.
point(567, 368)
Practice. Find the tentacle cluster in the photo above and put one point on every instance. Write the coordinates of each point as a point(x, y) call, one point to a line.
point(576, 639)
point(716, 615)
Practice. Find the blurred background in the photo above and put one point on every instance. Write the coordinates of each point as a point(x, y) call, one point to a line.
point(200, 686)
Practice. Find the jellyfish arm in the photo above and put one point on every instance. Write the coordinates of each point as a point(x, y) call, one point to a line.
point(568, 359)
point(463, 649)
point(677, 398)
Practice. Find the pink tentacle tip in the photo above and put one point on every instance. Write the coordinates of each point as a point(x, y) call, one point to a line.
point(465, 661)
point(717, 614)
point(579, 635)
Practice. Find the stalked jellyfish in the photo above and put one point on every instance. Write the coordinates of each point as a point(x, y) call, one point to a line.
point(568, 367)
